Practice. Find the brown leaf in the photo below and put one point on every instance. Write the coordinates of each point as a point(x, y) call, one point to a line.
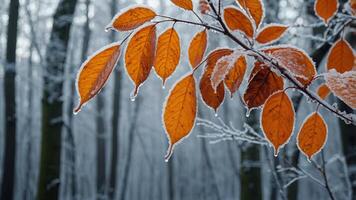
point(277, 120)
point(185, 4)
point(343, 86)
point(255, 8)
point(341, 57)
point(326, 9)
point(197, 48)
point(323, 91)
point(271, 33)
point(180, 111)
point(261, 86)
point(132, 18)
point(167, 54)
point(235, 19)
point(235, 76)
point(295, 60)
point(211, 97)
point(95, 72)
point(139, 55)
point(312, 135)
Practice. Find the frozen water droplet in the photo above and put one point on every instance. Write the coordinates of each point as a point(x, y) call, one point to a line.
point(107, 29)
point(248, 113)
point(163, 87)
point(132, 96)
point(216, 115)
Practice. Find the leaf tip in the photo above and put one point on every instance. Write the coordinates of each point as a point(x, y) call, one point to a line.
point(276, 149)
point(78, 108)
point(169, 153)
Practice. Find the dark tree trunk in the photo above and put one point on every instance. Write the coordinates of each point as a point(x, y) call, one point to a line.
point(251, 175)
point(10, 104)
point(101, 139)
point(116, 116)
point(101, 153)
point(52, 101)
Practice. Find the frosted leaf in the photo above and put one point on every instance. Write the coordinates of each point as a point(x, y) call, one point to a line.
point(343, 86)
point(295, 60)
point(223, 67)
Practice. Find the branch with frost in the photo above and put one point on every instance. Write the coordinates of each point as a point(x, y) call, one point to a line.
point(224, 132)
point(219, 132)
point(273, 64)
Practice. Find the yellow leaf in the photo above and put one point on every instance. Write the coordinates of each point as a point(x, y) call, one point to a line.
point(167, 54)
point(341, 57)
point(326, 9)
point(235, 19)
point(277, 120)
point(312, 135)
point(132, 18)
point(180, 111)
point(95, 72)
point(139, 55)
point(197, 48)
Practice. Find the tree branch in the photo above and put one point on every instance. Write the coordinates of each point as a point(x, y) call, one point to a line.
point(310, 94)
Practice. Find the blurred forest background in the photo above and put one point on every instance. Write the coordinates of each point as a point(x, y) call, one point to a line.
point(114, 149)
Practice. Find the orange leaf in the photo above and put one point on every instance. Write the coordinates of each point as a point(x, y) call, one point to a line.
point(323, 91)
point(222, 68)
point(95, 72)
point(139, 55)
point(132, 18)
point(197, 48)
point(235, 76)
point(185, 4)
point(312, 135)
point(211, 97)
point(235, 19)
point(341, 57)
point(167, 54)
point(296, 61)
point(255, 8)
point(326, 9)
point(277, 120)
point(343, 86)
point(353, 6)
point(261, 86)
point(180, 111)
point(271, 33)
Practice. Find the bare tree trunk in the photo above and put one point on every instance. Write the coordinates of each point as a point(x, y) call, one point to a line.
point(131, 141)
point(70, 151)
point(52, 101)
point(28, 193)
point(250, 174)
point(116, 116)
point(10, 104)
